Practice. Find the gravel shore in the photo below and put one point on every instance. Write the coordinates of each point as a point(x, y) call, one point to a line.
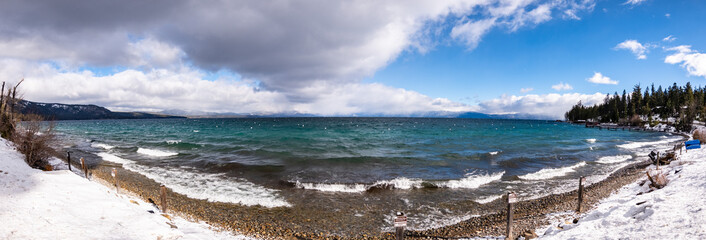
point(307, 222)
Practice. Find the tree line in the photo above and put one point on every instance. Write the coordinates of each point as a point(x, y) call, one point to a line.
point(649, 106)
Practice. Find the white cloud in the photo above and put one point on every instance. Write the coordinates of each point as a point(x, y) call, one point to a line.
point(635, 47)
point(286, 46)
point(669, 38)
point(472, 32)
point(694, 62)
point(562, 86)
point(548, 105)
point(512, 15)
point(526, 90)
point(668, 15)
point(600, 79)
point(185, 89)
point(634, 2)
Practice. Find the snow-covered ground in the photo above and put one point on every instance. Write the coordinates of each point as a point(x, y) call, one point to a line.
point(62, 205)
point(677, 211)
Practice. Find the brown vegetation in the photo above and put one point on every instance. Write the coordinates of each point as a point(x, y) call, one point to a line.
point(31, 135)
point(700, 134)
point(33, 138)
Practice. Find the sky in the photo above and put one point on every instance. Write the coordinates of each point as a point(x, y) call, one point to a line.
point(348, 58)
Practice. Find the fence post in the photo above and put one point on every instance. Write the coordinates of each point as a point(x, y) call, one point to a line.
point(85, 169)
point(69, 159)
point(115, 177)
point(163, 198)
point(581, 179)
point(511, 199)
point(400, 224)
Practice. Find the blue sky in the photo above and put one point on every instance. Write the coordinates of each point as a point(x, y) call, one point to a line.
point(566, 51)
point(343, 58)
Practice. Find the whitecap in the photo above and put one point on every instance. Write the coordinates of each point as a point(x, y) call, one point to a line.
point(634, 145)
point(549, 173)
point(156, 153)
point(173, 141)
point(472, 180)
point(488, 199)
point(333, 187)
point(211, 187)
point(401, 183)
point(614, 159)
point(102, 145)
point(590, 140)
point(494, 153)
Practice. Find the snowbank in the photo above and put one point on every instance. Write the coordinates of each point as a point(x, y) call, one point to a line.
point(63, 205)
point(677, 211)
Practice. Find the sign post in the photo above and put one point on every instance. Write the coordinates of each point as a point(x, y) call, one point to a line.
point(511, 199)
point(580, 193)
point(85, 168)
point(69, 159)
point(400, 224)
point(115, 177)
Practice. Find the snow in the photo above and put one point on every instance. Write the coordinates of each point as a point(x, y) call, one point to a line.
point(62, 205)
point(677, 211)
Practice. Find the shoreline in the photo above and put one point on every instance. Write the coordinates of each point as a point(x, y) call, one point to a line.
point(294, 223)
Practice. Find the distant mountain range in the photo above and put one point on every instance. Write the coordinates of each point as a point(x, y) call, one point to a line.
point(59, 111)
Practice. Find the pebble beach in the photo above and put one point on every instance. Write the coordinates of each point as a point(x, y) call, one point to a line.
point(307, 223)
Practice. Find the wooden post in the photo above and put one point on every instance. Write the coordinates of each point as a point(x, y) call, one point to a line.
point(578, 209)
point(400, 224)
point(69, 159)
point(85, 169)
point(163, 198)
point(115, 177)
point(511, 199)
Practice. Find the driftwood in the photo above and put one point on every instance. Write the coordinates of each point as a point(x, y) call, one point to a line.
point(658, 181)
point(662, 159)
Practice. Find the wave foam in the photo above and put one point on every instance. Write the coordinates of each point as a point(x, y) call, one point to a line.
point(494, 153)
point(549, 173)
point(472, 180)
point(488, 199)
point(614, 159)
point(400, 183)
point(335, 187)
point(101, 145)
point(591, 140)
point(211, 187)
point(173, 141)
point(156, 153)
point(634, 145)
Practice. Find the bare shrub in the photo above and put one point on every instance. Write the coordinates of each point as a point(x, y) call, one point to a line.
point(33, 138)
point(700, 134)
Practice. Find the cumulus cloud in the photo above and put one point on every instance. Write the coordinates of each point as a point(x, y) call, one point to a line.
point(635, 47)
point(562, 86)
point(526, 90)
point(669, 38)
point(296, 52)
point(186, 89)
point(693, 61)
point(600, 79)
point(551, 106)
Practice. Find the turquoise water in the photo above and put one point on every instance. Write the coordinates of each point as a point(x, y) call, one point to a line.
point(272, 161)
